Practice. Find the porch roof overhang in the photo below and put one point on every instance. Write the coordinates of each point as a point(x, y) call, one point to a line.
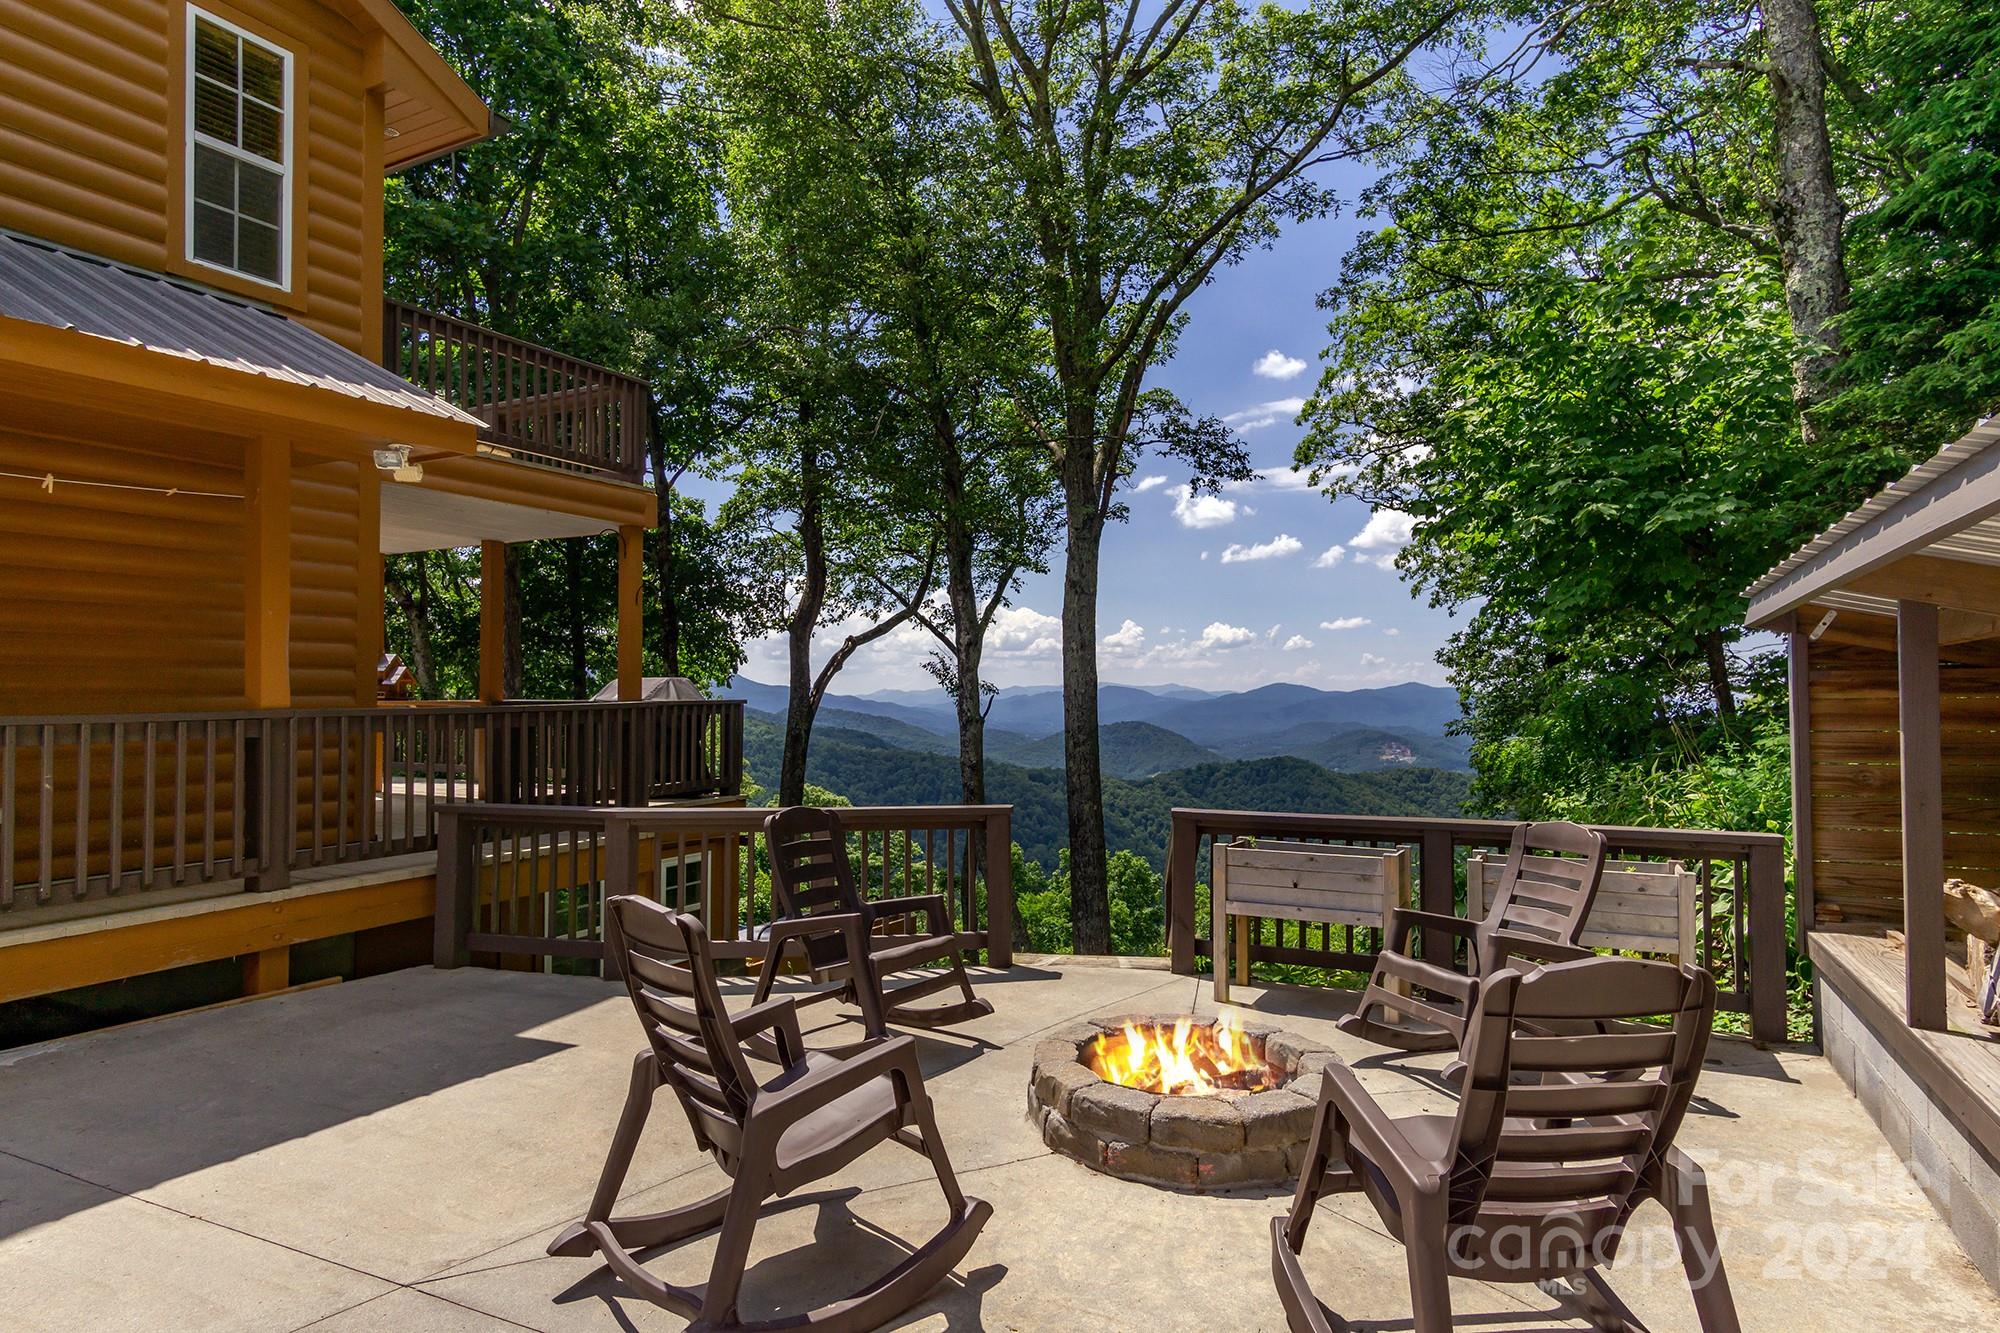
point(97, 331)
point(1931, 536)
point(427, 109)
point(464, 501)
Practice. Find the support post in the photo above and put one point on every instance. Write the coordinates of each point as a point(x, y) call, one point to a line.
point(1799, 686)
point(492, 622)
point(999, 854)
point(267, 970)
point(458, 867)
point(1767, 943)
point(269, 794)
point(267, 575)
point(631, 630)
point(1920, 724)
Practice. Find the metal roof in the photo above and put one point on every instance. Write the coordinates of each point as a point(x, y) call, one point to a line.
point(1962, 540)
point(70, 291)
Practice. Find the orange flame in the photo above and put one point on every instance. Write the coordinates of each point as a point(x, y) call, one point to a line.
point(1183, 1060)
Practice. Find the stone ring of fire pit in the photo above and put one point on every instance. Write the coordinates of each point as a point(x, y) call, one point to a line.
point(1225, 1140)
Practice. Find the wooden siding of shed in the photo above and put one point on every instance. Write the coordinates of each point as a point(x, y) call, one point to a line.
point(1856, 777)
point(91, 146)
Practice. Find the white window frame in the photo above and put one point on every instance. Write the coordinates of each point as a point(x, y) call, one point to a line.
point(285, 167)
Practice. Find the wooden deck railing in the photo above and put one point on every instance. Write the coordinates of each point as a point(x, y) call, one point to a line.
point(547, 407)
point(1740, 915)
point(93, 808)
point(530, 881)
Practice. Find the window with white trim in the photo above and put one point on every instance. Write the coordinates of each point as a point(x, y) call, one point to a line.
point(239, 151)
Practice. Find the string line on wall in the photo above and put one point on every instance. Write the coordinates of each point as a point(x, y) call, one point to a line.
point(48, 481)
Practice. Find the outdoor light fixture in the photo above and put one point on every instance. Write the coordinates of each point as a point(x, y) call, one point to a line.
point(394, 459)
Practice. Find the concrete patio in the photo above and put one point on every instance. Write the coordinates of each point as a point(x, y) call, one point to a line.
point(395, 1153)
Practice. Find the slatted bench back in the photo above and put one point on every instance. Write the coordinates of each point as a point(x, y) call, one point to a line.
point(1641, 906)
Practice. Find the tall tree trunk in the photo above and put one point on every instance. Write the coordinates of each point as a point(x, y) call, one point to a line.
point(510, 670)
point(1808, 213)
point(800, 704)
point(1089, 902)
point(579, 631)
point(416, 609)
point(1718, 675)
point(968, 630)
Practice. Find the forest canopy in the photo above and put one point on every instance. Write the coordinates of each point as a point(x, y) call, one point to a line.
point(1647, 293)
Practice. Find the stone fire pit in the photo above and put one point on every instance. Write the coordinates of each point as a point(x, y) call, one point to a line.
point(1214, 1141)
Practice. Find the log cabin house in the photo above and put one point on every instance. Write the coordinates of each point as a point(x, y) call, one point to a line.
point(1892, 619)
point(214, 427)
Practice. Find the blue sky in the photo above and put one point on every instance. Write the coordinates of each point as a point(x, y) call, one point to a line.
point(1267, 582)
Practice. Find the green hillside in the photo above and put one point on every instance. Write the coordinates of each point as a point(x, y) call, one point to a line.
point(1129, 750)
point(867, 771)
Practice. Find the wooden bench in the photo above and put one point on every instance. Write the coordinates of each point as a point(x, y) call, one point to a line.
point(1329, 883)
point(1641, 906)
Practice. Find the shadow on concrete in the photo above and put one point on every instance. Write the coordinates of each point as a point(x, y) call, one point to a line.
point(130, 1109)
point(846, 1252)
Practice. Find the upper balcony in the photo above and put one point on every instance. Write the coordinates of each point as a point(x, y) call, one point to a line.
point(539, 406)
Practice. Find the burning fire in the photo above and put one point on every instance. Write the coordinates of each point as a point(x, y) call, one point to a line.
point(1184, 1060)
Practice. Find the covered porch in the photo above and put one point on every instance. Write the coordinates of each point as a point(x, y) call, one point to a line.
point(1892, 620)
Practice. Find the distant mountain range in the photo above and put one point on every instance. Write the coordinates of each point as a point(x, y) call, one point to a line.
point(869, 769)
point(1161, 729)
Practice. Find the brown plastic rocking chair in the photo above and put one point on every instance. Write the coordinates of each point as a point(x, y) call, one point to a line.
point(1556, 1141)
point(811, 880)
point(817, 1116)
point(1538, 911)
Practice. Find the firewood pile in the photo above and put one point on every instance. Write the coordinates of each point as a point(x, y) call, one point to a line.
point(1976, 911)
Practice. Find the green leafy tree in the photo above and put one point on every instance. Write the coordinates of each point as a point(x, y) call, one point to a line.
point(1146, 145)
point(590, 225)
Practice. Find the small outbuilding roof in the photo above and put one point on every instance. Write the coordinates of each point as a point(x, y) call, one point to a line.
point(1947, 508)
point(63, 290)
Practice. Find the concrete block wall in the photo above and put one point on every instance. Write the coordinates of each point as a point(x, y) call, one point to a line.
point(1953, 1170)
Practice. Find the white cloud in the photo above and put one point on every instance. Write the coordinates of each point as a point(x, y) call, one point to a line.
point(1386, 533)
point(1145, 484)
point(1392, 632)
point(1219, 634)
point(1275, 365)
point(1346, 622)
point(1127, 638)
point(1021, 631)
point(1202, 511)
point(1296, 643)
point(1330, 557)
point(1371, 660)
point(1278, 547)
point(1260, 415)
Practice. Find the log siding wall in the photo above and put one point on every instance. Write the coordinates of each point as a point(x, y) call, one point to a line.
point(92, 145)
point(1856, 820)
